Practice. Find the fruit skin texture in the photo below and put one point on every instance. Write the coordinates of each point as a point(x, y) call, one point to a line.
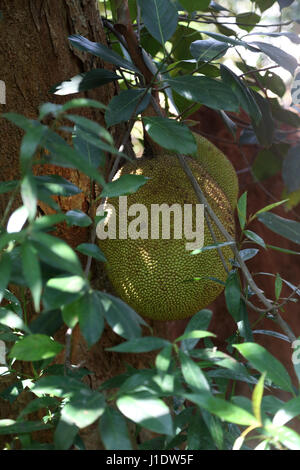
point(155, 277)
point(218, 167)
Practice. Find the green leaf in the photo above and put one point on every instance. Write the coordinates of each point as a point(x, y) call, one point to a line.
point(56, 252)
point(82, 103)
point(84, 408)
point(91, 126)
point(288, 437)
point(63, 155)
point(195, 5)
point(278, 55)
point(199, 321)
point(78, 218)
point(8, 186)
point(265, 129)
point(114, 431)
point(287, 228)
point(32, 272)
point(126, 184)
point(278, 286)
point(255, 238)
point(170, 134)
point(257, 395)
point(29, 195)
point(221, 408)
point(90, 249)
point(57, 185)
point(228, 40)
point(208, 49)
point(242, 209)
point(59, 386)
point(5, 270)
point(266, 164)
point(20, 121)
point(247, 20)
point(37, 404)
point(150, 412)
point(35, 347)
point(248, 253)
point(296, 357)
point(73, 284)
point(9, 426)
point(126, 105)
point(97, 49)
point(163, 358)
point(242, 93)
point(268, 208)
point(123, 320)
point(160, 18)
point(207, 91)
point(263, 361)
point(192, 373)
point(90, 311)
point(12, 320)
point(137, 345)
point(194, 334)
point(64, 435)
point(29, 145)
point(291, 169)
point(233, 295)
point(84, 81)
point(287, 412)
point(92, 153)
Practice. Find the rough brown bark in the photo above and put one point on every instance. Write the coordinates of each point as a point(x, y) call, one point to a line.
point(34, 55)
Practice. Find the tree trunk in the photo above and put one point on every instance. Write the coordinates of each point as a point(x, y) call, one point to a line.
point(35, 54)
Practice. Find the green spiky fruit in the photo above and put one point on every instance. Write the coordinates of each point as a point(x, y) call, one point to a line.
point(156, 277)
point(218, 167)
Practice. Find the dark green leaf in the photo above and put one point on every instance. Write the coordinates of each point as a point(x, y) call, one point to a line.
point(120, 317)
point(90, 310)
point(59, 386)
point(56, 252)
point(9, 426)
point(102, 51)
point(32, 272)
point(247, 20)
point(90, 249)
point(212, 93)
point(114, 431)
point(160, 18)
point(84, 81)
point(291, 169)
point(242, 93)
point(126, 105)
point(170, 134)
point(287, 228)
point(278, 55)
point(57, 185)
point(233, 295)
point(242, 209)
point(199, 321)
point(78, 218)
point(64, 434)
point(208, 49)
point(192, 373)
point(137, 345)
point(126, 184)
point(5, 270)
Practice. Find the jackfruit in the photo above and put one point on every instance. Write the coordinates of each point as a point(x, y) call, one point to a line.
point(218, 167)
point(156, 277)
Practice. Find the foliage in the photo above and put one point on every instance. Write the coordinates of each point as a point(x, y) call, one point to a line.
point(188, 396)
